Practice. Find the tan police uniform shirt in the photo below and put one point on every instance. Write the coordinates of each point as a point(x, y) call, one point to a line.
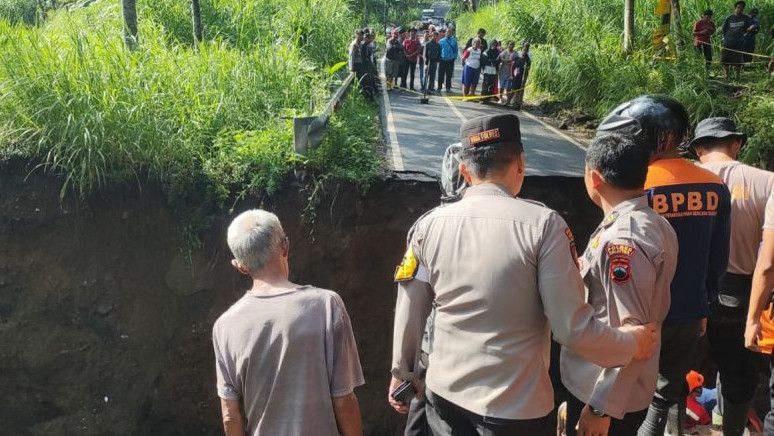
point(504, 274)
point(627, 269)
point(750, 188)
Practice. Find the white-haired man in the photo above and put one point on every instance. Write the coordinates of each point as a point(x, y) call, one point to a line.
point(286, 359)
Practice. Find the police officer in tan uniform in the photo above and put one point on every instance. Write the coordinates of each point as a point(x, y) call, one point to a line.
point(717, 144)
point(502, 276)
point(627, 269)
point(452, 187)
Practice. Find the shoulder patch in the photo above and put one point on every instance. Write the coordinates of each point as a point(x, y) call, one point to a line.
point(620, 262)
point(620, 270)
point(407, 269)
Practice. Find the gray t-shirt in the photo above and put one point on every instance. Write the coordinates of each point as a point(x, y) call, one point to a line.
point(506, 65)
point(284, 356)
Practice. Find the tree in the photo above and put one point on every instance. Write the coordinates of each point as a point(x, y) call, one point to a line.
point(677, 28)
point(628, 37)
point(129, 9)
point(196, 17)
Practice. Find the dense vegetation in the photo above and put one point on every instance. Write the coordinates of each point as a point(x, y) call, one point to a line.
point(215, 119)
point(578, 59)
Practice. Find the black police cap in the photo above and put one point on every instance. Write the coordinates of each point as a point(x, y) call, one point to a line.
point(491, 130)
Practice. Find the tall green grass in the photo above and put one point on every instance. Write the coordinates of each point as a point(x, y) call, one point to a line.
point(316, 27)
point(75, 100)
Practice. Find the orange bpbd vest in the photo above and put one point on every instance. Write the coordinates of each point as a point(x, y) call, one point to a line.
point(766, 344)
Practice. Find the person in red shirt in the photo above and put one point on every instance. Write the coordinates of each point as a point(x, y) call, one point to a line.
point(412, 48)
point(702, 33)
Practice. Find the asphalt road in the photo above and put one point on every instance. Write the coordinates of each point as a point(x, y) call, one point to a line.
point(418, 134)
point(441, 9)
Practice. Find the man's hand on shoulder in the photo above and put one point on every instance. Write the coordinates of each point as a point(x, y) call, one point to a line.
point(646, 337)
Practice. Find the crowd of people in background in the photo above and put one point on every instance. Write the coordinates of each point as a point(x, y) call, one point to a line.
point(501, 70)
point(361, 58)
point(739, 32)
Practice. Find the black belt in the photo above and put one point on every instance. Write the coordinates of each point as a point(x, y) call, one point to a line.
point(735, 290)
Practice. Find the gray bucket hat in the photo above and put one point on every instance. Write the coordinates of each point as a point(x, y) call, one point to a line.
point(716, 127)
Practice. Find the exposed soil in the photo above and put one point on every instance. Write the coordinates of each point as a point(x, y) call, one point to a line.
point(574, 122)
point(105, 323)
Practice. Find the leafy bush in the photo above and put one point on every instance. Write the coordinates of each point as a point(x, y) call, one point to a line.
point(757, 119)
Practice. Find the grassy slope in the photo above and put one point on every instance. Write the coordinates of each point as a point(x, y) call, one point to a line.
point(578, 59)
point(214, 119)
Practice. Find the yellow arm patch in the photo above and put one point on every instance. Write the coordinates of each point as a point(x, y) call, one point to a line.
point(407, 269)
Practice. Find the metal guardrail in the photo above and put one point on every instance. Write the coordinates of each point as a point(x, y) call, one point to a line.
point(309, 132)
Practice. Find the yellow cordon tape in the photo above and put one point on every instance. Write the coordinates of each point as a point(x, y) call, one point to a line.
point(714, 61)
point(465, 97)
point(742, 52)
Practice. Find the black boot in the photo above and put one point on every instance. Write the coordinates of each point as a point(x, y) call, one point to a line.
point(734, 418)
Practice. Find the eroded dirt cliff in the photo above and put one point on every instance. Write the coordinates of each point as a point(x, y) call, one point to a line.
point(105, 323)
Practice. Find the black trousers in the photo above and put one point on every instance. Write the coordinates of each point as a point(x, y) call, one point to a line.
point(445, 72)
point(627, 426)
point(768, 423)
point(410, 69)
point(678, 345)
point(432, 71)
point(447, 419)
point(403, 72)
point(738, 366)
point(488, 85)
point(706, 51)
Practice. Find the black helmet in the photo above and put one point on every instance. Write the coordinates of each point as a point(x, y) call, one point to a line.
point(657, 120)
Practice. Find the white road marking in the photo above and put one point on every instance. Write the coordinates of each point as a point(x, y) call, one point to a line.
point(392, 136)
point(567, 137)
point(454, 109)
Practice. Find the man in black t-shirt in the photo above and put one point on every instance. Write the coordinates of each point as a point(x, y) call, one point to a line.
point(480, 35)
point(432, 56)
point(735, 27)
